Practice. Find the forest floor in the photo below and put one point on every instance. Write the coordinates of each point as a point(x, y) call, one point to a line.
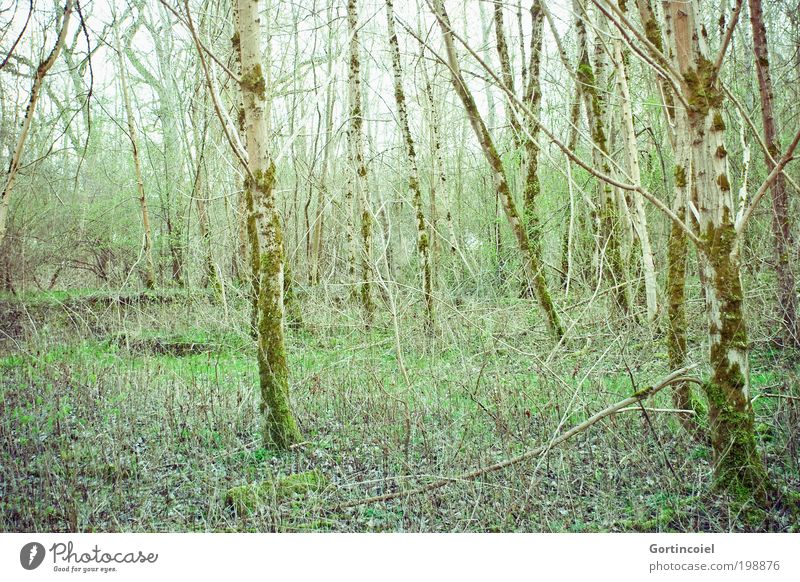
point(140, 414)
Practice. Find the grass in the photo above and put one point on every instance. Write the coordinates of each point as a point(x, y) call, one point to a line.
point(104, 428)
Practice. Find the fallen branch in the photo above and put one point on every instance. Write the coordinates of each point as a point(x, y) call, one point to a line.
point(647, 409)
point(673, 378)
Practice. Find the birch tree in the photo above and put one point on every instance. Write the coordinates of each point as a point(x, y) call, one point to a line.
point(423, 242)
point(280, 429)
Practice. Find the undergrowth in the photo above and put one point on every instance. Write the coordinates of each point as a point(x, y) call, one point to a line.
point(143, 416)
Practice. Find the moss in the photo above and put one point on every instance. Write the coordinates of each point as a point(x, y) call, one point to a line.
point(721, 152)
point(653, 33)
point(235, 41)
point(703, 92)
point(253, 80)
point(683, 396)
point(250, 498)
point(280, 428)
point(737, 465)
point(718, 124)
point(680, 177)
point(722, 181)
point(585, 73)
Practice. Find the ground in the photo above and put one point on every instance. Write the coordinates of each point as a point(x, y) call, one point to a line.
point(140, 414)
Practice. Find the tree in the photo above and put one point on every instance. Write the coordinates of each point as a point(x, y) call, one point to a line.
point(782, 233)
point(280, 427)
point(423, 242)
point(355, 140)
point(149, 274)
point(38, 81)
point(737, 464)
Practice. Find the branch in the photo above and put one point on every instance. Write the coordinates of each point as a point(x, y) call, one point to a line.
point(563, 147)
point(726, 40)
point(787, 157)
point(757, 135)
point(231, 136)
point(673, 378)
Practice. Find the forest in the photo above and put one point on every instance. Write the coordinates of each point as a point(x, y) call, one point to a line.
point(399, 266)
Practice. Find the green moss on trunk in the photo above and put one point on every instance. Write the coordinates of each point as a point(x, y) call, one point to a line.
point(683, 397)
point(738, 466)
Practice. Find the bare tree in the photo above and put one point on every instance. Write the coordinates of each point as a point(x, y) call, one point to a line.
point(38, 81)
point(787, 296)
point(149, 275)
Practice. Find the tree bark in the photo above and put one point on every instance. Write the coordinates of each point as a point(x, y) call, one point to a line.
point(737, 464)
point(360, 182)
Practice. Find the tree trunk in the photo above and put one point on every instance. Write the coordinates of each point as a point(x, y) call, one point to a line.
point(423, 242)
point(280, 428)
point(533, 99)
point(737, 464)
point(505, 68)
point(356, 144)
point(677, 246)
point(637, 212)
point(787, 297)
point(150, 273)
point(594, 104)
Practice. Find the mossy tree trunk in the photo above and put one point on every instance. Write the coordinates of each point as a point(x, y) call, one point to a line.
point(355, 138)
point(423, 241)
point(249, 228)
point(738, 466)
point(505, 69)
point(533, 268)
point(532, 187)
point(280, 429)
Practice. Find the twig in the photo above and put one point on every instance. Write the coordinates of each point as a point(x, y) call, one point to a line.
point(768, 395)
point(674, 377)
